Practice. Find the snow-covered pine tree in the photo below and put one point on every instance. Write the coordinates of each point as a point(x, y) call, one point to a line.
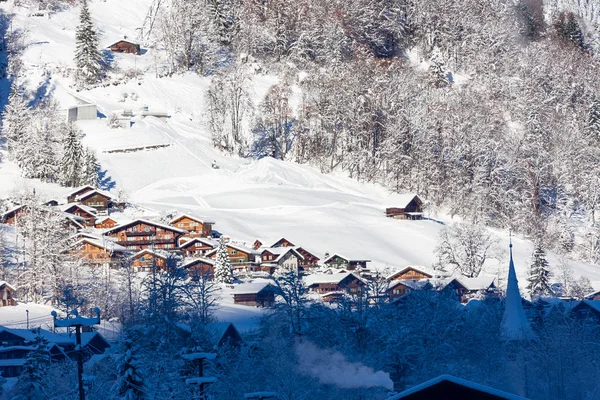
point(223, 268)
point(72, 159)
point(30, 385)
point(130, 383)
point(87, 57)
point(14, 118)
point(436, 70)
point(593, 121)
point(539, 274)
point(90, 168)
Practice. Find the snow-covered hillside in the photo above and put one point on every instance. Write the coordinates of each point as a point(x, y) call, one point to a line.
point(247, 198)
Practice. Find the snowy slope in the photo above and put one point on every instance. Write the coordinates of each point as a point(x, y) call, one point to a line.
point(249, 199)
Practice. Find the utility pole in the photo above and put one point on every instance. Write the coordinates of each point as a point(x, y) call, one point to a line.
point(27, 311)
point(78, 322)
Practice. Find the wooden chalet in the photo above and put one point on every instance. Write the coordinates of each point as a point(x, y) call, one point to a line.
point(197, 227)
point(105, 222)
point(309, 261)
point(51, 203)
point(7, 294)
point(281, 242)
point(87, 213)
point(16, 344)
point(450, 387)
point(342, 282)
point(220, 334)
point(145, 260)
point(99, 252)
point(286, 258)
point(339, 261)
point(97, 199)
point(241, 257)
point(142, 234)
point(399, 288)
point(71, 197)
point(12, 216)
point(468, 288)
point(198, 267)
point(588, 310)
point(410, 273)
point(124, 46)
point(196, 247)
point(254, 294)
point(409, 206)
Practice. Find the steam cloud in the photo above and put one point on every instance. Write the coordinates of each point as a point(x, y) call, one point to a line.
point(332, 368)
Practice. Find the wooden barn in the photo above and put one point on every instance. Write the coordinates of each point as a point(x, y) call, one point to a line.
point(99, 252)
point(125, 46)
point(408, 206)
point(7, 294)
point(256, 294)
point(345, 282)
point(339, 261)
point(198, 267)
point(411, 273)
point(78, 192)
point(105, 222)
point(80, 210)
point(145, 260)
point(197, 227)
point(309, 261)
point(142, 234)
point(450, 387)
point(196, 247)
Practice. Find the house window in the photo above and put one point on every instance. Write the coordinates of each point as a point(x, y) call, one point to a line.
point(233, 251)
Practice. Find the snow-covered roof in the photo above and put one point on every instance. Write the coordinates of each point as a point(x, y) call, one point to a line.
point(17, 362)
point(31, 334)
point(459, 381)
point(104, 244)
point(157, 253)
point(199, 356)
point(191, 261)
point(66, 207)
point(482, 282)
point(404, 199)
point(201, 220)
point(595, 304)
point(144, 221)
point(423, 270)
point(251, 288)
point(415, 285)
point(100, 220)
point(92, 193)
point(238, 247)
point(79, 189)
point(318, 279)
point(208, 242)
point(348, 259)
point(200, 380)
point(4, 283)
point(282, 251)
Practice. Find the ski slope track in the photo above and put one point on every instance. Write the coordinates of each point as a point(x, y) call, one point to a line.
point(248, 199)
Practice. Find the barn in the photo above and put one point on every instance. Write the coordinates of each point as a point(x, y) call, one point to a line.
point(408, 206)
point(257, 294)
point(125, 46)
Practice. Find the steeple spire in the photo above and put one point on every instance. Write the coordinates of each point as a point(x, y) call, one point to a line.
point(515, 325)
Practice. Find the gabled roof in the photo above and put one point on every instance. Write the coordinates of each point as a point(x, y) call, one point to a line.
point(279, 240)
point(31, 334)
point(67, 207)
point(318, 279)
point(348, 259)
point(594, 304)
point(280, 252)
point(190, 262)
point(104, 219)
point(92, 193)
point(79, 189)
point(103, 244)
point(479, 283)
point(253, 288)
point(299, 248)
point(237, 247)
point(414, 285)
point(205, 241)
point(403, 200)
point(143, 221)
point(458, 381)
point(123, 40)
point(11, 211)
point(155, 253)
point(423, 270)
point(201, 220)
point(8, 285)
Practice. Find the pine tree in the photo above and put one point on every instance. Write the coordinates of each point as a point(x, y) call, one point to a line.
point(73, 158)
point(539, 275)
point(14, 118)
point(30, 385)
point(223, 268)
point(90, 168)
point(593, 121)
point(130, 383)
point(87, 57)
point(436, 70)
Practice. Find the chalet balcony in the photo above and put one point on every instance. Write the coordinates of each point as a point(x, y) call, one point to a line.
point(150, 233)
point(132, 243)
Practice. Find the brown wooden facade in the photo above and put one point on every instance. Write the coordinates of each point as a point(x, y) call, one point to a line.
point(283, 242)
point(337, 261)
point(7, 295)
point(11, 217)
point(409, 274)
point(201, 267)
point(310, 260)
point(260, 298)
point(141, 234)
point(124, 46)
point(94, 252)
point(106, 223)
point(88, 216)
point(413, 209)
point(79, 192)
point(238, 255)
point(96, 200)
point(350, 284)
point(195, 247)
point(195, 226)
point(146, 260)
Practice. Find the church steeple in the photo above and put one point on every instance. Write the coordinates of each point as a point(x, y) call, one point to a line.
point(515, 325)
